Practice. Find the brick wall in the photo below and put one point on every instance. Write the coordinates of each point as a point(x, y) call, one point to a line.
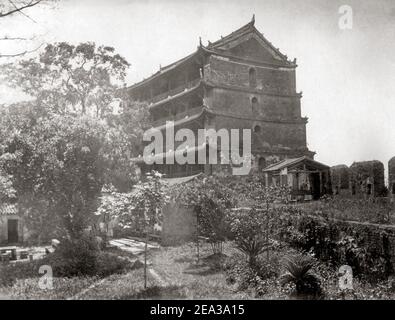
point(322, 236)
point(271, 79)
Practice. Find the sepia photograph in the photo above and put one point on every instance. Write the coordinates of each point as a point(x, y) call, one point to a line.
point(167, 151)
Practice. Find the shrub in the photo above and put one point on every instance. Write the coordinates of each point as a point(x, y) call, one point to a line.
point(82, 257)
point(240, 273)
point(109, 263)
point(74, 257)
point(9, 274)
point(249, 229)
point(259, 277)
point(299, 273)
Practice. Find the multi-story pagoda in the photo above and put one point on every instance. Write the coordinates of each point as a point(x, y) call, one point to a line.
point(238, 82)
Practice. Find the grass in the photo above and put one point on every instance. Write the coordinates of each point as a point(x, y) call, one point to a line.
point(63, 288)
point(119, 286)
point(21, 279)
point(178, 266)
point(178, 275)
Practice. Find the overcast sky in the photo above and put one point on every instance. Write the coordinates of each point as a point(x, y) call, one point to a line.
point(347, 76)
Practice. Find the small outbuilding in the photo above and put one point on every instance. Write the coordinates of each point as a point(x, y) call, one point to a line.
point(308, 179)
point(367, 179)
point(11, 224)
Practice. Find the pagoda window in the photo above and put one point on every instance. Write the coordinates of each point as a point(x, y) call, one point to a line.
point(393, 188)
point(252, 77)
point(369, 189)
point(254, 104)
point(257, 129)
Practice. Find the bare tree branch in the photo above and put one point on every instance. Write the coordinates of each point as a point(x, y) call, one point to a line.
point(32, 3)
point(13, 38)
point(20, 53)
point(21, 12)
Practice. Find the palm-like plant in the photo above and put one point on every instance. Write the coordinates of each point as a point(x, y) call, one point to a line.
point(299, 273)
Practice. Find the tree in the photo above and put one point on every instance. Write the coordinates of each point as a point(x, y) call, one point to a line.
point(57, 168)
point(124, 135)
point(68, 79)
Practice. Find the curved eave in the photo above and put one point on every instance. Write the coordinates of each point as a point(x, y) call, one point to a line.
point(184, 120)
point(238, 116)
point(166, 69)
point(283, 64)
point(178, 95)
point(171, 154)
point(251, 90)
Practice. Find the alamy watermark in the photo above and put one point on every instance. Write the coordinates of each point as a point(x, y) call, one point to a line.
point(346, 277)
point(346, 18)
point(46, 281)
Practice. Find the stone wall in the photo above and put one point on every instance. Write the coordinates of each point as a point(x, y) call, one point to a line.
point(271, 108)
point(254, 104)
point(179, 224)
point(270, 134)
point(367, 247)
point(273, 80)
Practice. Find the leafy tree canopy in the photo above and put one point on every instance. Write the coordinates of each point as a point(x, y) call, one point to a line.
point(66, 78)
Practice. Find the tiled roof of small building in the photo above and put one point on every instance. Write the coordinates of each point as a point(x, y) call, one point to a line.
point(8, 209)
point(290, 162)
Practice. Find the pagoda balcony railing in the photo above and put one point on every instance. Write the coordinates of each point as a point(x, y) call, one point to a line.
point(179, 116)
point(175, 91)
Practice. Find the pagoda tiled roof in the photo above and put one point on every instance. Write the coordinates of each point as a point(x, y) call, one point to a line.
point(214, 48)
point(246, 29)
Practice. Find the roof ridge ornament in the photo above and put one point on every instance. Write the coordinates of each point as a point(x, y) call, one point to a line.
point(200, 41)
point(253, 19)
